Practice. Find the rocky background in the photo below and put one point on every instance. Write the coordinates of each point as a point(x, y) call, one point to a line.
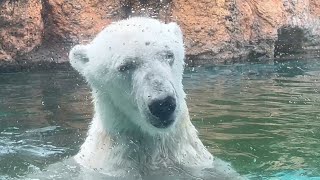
point(216, 31)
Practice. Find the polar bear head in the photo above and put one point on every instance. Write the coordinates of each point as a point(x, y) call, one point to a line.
point(135, 67)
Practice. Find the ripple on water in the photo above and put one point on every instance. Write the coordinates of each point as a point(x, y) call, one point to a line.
point(263, 118)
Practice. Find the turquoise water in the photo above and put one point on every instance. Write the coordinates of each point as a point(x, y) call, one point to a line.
point(263, 118)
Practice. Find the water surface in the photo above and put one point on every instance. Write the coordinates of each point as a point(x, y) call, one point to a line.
point(263, 118)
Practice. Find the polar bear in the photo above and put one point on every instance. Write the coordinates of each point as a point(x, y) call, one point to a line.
point(141, 126)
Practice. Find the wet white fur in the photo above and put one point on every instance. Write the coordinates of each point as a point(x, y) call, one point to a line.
point(121, 142)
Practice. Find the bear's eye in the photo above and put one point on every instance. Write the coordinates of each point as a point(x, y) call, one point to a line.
point(169, 57)
point(127, 66)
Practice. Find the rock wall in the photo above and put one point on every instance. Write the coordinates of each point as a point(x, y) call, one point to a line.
point(21, 27)
point(216, 31)
point(315, 8)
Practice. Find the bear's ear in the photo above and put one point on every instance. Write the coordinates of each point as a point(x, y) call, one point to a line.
point(78, 57)
point(174, 27)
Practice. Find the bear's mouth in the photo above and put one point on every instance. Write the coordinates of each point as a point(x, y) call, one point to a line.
point(161, 124)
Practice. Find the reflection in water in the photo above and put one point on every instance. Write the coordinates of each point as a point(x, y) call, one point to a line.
point(43, 118)
point(263, 118)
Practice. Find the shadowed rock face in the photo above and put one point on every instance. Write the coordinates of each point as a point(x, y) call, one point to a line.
point(215, 31)
point(289, 41)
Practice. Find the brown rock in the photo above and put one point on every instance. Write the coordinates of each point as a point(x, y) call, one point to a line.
point(76, 20)
point(215, 31)
point(21, 27)
point(211, 16)
point(315, 7)
point(4, 56)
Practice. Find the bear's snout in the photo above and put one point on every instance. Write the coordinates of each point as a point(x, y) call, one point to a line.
point(163, 109)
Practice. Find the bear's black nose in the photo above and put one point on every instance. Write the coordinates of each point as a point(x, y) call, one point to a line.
point(163, 110)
